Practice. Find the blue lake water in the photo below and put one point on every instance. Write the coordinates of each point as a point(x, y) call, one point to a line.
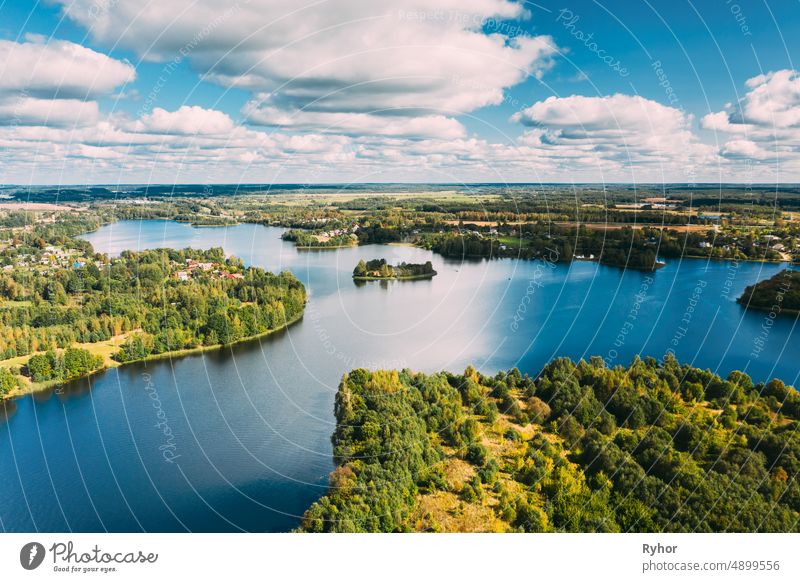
point(249, 427)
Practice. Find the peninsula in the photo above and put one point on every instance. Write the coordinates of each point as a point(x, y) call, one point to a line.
point(780, 293)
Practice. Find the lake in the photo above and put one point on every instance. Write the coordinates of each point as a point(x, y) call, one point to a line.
point(248, 428)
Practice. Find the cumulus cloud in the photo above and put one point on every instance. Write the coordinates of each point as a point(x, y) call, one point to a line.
point(342, 63)
point(59, 69)
point(765, 124)
point(613, 132)
point(349, 90)
point(21, 110)
point(357, 123)
point(773, 100)
point(188, 120)
point(744, 149)
point(53, 82)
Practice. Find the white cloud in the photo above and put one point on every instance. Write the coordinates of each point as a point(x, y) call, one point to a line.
point(765, 123)
point(745, 149)
point(622, 115)
point(357, 123)
point(342, 63)
point(612, 133)
point(188, 120)
point(350, 90)
point(20, 110)
point(773, 100)
point(59, 69)
point(54, 82)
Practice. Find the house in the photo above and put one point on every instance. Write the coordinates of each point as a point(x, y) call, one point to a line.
point(183, 275)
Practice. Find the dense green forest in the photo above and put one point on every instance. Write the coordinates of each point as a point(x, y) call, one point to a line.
point(154, 294)
point(580, 448)
point(55, 292)
point(780, 293)
point(71, 364)
point(380, 269)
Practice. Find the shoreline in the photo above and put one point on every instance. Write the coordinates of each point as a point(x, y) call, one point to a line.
point(409, 278)
point(323, 248)
point(36, 387)
point(412, 244)
point(747, 307)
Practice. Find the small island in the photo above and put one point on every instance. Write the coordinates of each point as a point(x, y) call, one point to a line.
point(379, 270)
point(780, 293)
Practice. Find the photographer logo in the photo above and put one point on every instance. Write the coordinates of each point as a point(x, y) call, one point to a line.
point(31, 555)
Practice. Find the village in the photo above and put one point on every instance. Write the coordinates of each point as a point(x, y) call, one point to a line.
point(48, 260)
point(194, 268)
point(52, 258)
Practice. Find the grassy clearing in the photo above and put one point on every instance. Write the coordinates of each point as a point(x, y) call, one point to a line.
point(104, 349)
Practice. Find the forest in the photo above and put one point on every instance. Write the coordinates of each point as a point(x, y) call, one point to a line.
point(55, 293)
point(652, 447)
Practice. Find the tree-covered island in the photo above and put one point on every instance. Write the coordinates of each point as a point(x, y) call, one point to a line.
point(379, 269)
point(580, 448)
point(780, 293)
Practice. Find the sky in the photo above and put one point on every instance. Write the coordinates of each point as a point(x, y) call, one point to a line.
point(445, 91)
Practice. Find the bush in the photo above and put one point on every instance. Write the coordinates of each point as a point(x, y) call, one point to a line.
point(477, 454)
point(8, 381)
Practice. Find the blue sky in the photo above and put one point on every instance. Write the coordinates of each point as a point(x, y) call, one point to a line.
point(205, 90)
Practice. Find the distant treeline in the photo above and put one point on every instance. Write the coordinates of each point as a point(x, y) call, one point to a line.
point(621, 247)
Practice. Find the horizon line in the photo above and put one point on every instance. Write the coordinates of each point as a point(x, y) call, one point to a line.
point(305, 185)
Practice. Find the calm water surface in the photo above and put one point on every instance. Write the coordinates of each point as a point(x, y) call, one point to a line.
point(249, 427)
